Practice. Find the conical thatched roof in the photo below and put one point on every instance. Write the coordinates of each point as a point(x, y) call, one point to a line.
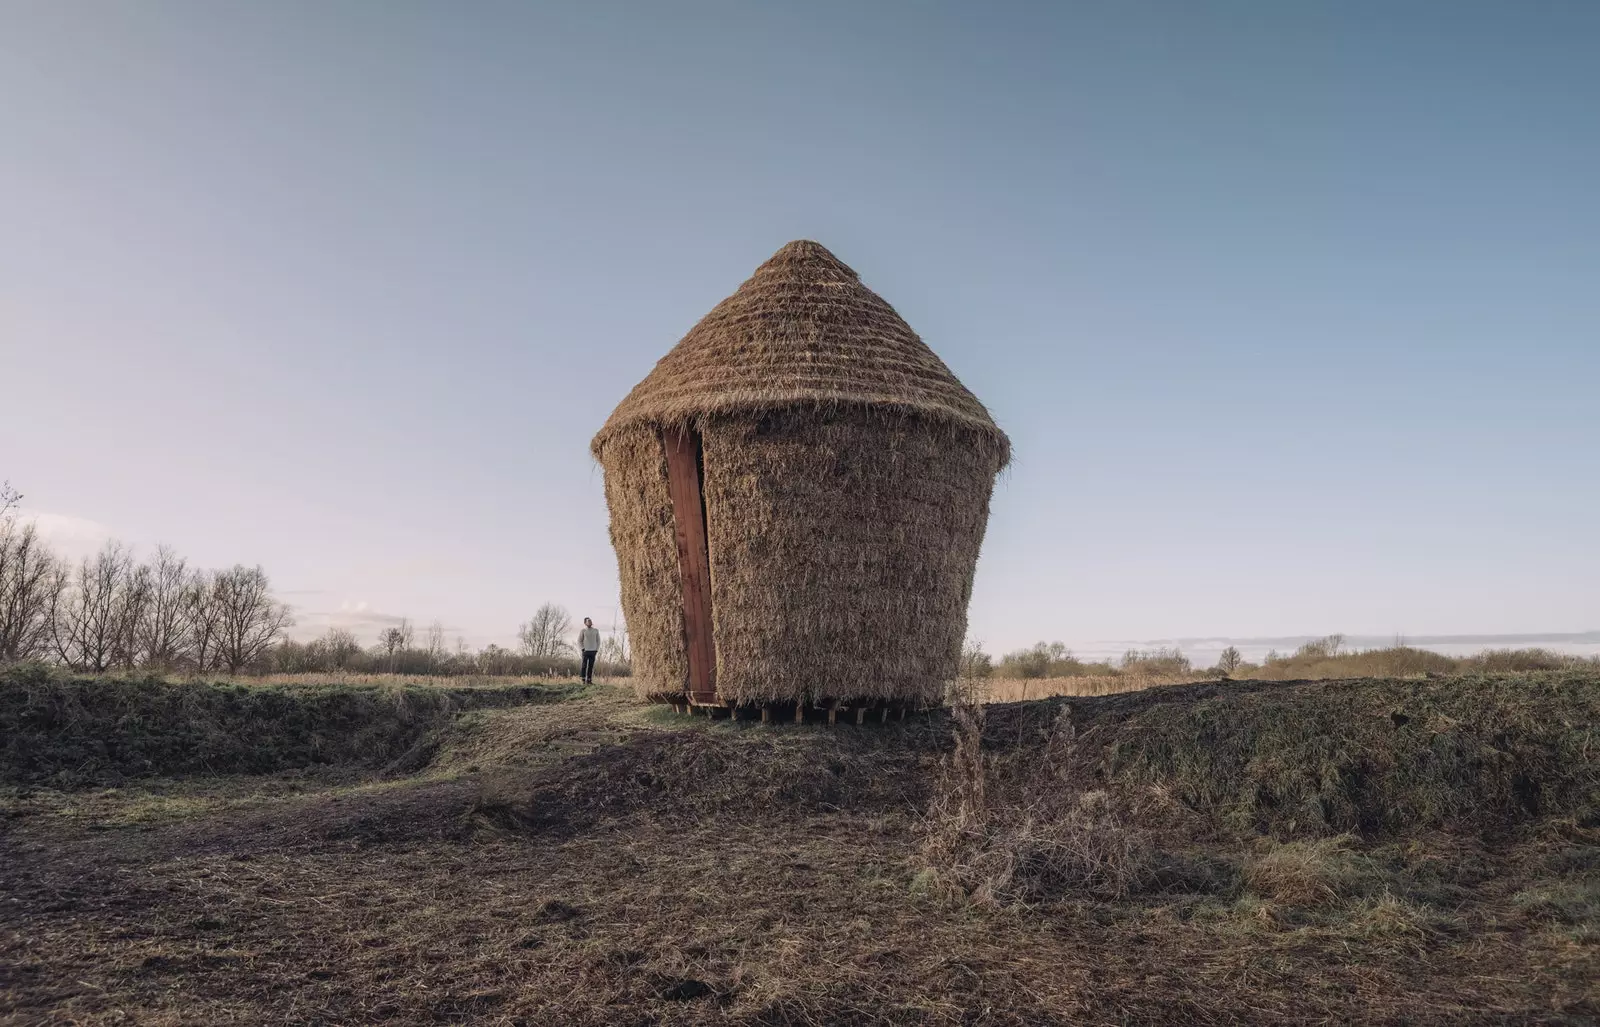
point(802, 332)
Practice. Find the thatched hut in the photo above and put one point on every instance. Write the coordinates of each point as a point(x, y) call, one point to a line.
point(798, 492)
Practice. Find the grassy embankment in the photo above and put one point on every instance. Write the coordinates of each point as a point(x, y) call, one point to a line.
point(63, 730)
point(1380, 851)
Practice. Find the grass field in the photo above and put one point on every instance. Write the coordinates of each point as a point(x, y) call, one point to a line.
point(1372, 851)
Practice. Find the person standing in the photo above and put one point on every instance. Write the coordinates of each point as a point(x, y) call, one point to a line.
point(589, 643)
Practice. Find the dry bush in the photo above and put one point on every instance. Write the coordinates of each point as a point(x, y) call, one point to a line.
point(1315, 661)
point(1324, 659)
point(1000, 853)
point(1520, 660)
point(1050, 660)
point(1165, 661)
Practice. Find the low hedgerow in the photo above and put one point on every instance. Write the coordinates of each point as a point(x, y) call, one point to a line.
point(68, 731)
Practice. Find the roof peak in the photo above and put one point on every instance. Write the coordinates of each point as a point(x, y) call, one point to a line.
point(803, 331)
point(809, 254)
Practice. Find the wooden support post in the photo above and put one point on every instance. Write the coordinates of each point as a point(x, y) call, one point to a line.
point(883, 714)
point(833, 712)
point(861, 714)
point(799, 712)
point(766, 713)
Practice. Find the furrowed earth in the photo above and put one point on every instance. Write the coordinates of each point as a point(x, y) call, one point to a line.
point(1367, 851)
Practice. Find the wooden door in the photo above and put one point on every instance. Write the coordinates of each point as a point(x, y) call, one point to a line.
point(694, 560)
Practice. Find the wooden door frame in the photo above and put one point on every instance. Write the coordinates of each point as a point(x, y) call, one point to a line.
point(683, 451)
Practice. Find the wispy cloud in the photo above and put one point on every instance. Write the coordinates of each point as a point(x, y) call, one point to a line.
point(355, 616)
point(70, 536)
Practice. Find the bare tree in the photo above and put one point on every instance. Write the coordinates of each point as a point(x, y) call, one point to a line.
point(974, 663)
point(133, 598)
point(88, 617)
point(614, 650)
point(31, 580)
point(9, 498)
point(1325, 648)
point(393, 641)
point(494, 660)
point(1229, 660)
point(202, 617)
point(436, 650)
point(341, 647)
point(162, 629)
point(545, 636)
point(251, 619)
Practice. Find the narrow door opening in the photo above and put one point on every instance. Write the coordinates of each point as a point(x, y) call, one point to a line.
point(684, 467)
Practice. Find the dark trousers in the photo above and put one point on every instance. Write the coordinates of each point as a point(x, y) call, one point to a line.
point(588, 665)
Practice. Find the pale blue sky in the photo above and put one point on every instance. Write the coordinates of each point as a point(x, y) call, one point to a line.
point(1292, 311)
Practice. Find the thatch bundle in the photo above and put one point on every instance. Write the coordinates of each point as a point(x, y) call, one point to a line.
point(845, 477)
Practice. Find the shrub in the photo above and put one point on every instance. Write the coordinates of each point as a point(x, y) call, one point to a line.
point(975, 663)
point(999, 853)
point(1518, 660)
point(1156, 662)
point(1319, 660)
point(1049, 660)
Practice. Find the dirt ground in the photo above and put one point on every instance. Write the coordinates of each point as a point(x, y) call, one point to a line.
point(590, 862)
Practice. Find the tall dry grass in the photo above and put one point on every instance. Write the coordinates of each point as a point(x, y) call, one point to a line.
point(996, 690)
point(983, 847)
point(1315, 661)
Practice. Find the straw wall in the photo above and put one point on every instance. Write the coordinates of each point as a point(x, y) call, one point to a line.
point(647, 560)
point(843, 546)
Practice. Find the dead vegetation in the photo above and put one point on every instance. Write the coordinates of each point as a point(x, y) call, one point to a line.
point(72, 731)
point(1207, 854)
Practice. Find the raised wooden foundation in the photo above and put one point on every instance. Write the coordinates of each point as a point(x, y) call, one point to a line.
point(828, 711)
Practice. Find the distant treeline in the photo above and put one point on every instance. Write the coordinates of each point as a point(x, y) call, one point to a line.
point(543, 650)
point(112, 611)
point(1322, 658)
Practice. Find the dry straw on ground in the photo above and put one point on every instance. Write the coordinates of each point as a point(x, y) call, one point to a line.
point(847, 476)
point(1024, 689)
point(1397, 852)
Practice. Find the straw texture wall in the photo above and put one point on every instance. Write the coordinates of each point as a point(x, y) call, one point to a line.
point(847, 477)
point(842, 553)
point(647, 561)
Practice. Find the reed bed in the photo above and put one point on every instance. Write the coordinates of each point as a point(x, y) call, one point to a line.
point(999, 690)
